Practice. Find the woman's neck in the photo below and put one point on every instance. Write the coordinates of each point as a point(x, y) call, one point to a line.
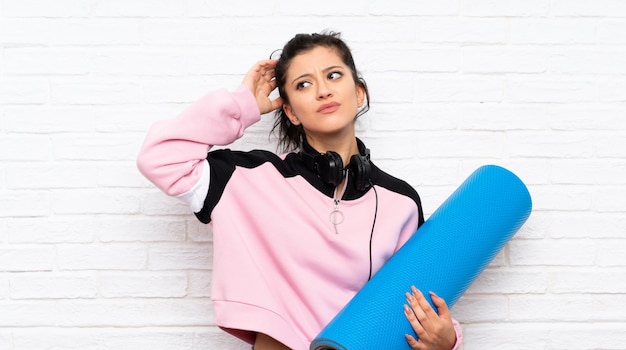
point(346, 146)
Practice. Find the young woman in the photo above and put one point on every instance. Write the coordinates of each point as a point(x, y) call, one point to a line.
point(296, 234)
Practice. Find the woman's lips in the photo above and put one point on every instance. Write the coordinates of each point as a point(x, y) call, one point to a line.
point(328, 107)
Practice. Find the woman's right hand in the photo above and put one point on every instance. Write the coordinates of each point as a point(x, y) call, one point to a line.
point(261, 82)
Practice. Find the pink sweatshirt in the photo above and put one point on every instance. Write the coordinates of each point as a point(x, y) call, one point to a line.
point(281, 267)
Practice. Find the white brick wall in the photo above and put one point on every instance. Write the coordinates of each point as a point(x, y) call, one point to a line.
point(93, 257)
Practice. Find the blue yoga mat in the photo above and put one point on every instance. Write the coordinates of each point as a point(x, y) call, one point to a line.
point(445, 255)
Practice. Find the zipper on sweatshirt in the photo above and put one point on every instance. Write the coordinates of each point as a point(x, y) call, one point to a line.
point(336, 216)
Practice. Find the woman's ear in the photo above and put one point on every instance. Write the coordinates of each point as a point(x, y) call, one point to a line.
point(360, 94)
point(291, 115)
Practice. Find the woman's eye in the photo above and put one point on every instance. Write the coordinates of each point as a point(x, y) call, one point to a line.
point(335, 75)
point(302, 85)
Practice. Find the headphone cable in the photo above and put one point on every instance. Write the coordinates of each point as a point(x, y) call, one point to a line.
point(373, 224)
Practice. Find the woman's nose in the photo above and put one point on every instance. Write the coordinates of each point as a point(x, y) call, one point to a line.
point(323, 91)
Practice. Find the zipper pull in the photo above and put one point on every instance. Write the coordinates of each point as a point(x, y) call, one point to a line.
point(336, 216)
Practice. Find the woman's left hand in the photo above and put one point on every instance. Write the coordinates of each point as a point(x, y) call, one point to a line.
point(434, 331)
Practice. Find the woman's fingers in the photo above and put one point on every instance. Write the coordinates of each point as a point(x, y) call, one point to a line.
point(433, 329)
point(424, 311)
point(441, 305)
point(260, 81)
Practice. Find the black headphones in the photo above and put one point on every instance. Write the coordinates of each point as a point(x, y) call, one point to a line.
point(329, 166)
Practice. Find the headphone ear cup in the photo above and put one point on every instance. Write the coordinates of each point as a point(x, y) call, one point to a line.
point(329, 167)
point(360, 169)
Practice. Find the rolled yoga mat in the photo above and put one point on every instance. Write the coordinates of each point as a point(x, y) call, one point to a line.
point(445, 255)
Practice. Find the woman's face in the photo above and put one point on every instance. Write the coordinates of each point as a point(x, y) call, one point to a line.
point(323, 96)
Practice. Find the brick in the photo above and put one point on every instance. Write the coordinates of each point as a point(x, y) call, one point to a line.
point(415, 60)
point(114, 119)
point(154, 340)
point(360, 33)
point(507, 8)
point(84, 257)
point(133, 229)
point(610, 199)
point(510, 281)
point(24, 31)
point(582, 8)
point(42, 8)
point(135, 313)
point(125, 62)
point(56, 338)
point(120, 175)
point(463, 30)
point(157, 203)
point(609, 31)
point(403, 147)
point(608, 307)
point(25, 147)
point(507, 335)
point(48, 120)
point(478, 308)
point(350, 8)
point(237, 8)
point(59, 229)
point(533, 228)
point(26, 203)
point(610, 145)
point(109, 147)
point(88, 91)
point(143, 285)
point(199, 284)
point(6, 340)
point(51, 175)
point(28, 313)
point(459, 89)
point(90, 32)
point(556, 144)
point(197, 231)
point(181, 256)
point(412, 117)
point(583, 225)
point(590, 280)
point(461, 144)
point(498, 117)
point(588, 171)
point(185, 32)
point(24, 90)
point(612, 252)
point(552, 31)
point(215, 338)
point(391, 88)
point(489, 60)
point(611, 90)
point(414, 8)
point(183, 90)
point(53, 286)
point(578, 336)
point(4, 287)
point(138, 8)
point(586, 61)
point(46, 61)
point(561, 198)
point(605, 117)
point(550, 91)
point(102, 201)
point(562, 252)
point(549, 308)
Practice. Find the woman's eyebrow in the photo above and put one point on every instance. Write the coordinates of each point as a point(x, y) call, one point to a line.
point(309, 74)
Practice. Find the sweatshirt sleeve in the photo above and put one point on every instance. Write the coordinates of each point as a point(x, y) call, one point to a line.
point(459, 335)
point(173, 153)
